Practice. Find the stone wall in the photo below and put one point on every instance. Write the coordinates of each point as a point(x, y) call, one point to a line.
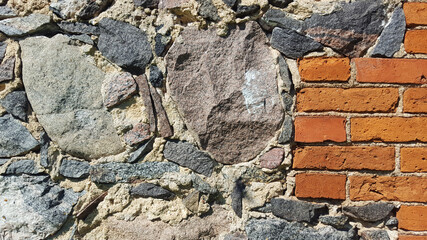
point(213, 119)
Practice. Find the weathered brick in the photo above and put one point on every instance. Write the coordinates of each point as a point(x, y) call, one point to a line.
point(345, 158)
point(405, 189)
point(324, 69)
point(412, 218)
point(317, 185)
point(416, 41)
point(383, 70)
point(389, 129)
point(413, 159)
point(347, 100)
point(320, 129)
point(415, 13)
point(412, 237)
point(415, 100)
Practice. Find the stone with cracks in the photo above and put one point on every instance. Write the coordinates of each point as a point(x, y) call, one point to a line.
point(300, 211)
point(142, 151)
point(226, 90)
point(151, 190)
point(21, 26)
point(370, 213)
point(82, 9)
point(138, 134)
point(64, 89)
point(16, 103)
point(74, 169)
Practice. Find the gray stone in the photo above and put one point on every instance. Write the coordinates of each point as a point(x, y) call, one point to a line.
point(371, 212)
point(74, 169)
point(67, 104)
point(277, 18)
point(83, 9)
point(243, 10)
point(21, 26)
point(191, 201)
point(392, 36)
point(161, 43)
point(282, 230)
point(280, 3)
point(208, 10)
point(117, 88)
point(146, 3)
point(202, 186)
point(138, 134)
point(293, 44)
point(151, 190)
point(3, 46)
point(84, 38)
point(285, 74)
point(392, 222)
point(267, 208)
point(16, 103)
point(3, 161)
point(6, 12)
point(226, 89)
point(156, 77)
point(288, 100)
point(235, 236)
point(7, 69)
point(287, 133)
point(93, 9)
point(44, 150)
point(142, 151)
point(124, 44)
point(22, 167)
point(338, 222)
point(15, 139)
point(125, 172)
point(300, 211)
point(237, 196)
point(375, 235)
point(230, 3)
point(187, 155)
point(79, 28)
point(35, 208)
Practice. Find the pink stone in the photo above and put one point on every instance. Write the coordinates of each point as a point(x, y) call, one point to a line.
point(139, 133)
point(273, 158)
point(118, 88)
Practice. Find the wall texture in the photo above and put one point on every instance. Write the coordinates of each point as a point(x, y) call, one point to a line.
point(213, 119)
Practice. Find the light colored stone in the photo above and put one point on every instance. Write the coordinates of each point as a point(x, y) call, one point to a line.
point(15, 27)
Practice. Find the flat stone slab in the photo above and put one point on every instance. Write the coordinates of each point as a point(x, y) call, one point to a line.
point(370, 212)
point(21, 26)
point(151, 190)
point(22, 167)
point(16, 103)
point(74, 169)
point(300, 211)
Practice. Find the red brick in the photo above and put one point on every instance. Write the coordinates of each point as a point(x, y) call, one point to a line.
point(412, 237)
point(347, 100)
point(413, 218)
point(405, 189)
point(413, 159)
point(416, 41)
point(316, 185)
point(383, 70)
point(415, 100)
point(415, 13)
point(345, 158)
point(320, 129)
point(389, 129)
point(324, 69)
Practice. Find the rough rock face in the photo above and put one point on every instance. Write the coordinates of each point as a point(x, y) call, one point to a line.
point(297, 210)
point(33, 207)
point(7, 69)
point(64, 89)
point(15, 139)
point(151, 190)
point(74, 169)
point(226, 89)
point(371, 212)
point(22, 167)
point(117, 88)
point(24, 25)
point(16, 103)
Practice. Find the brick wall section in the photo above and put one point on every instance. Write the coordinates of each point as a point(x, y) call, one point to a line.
point(412, 237)
point(412, 217)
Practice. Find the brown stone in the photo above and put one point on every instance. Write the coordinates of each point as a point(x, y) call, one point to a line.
point(164, 128)
point(139, 133)
point(144, 92)
point(226, 89)
point(7, 69)
point(273, 158)
point(118, 87)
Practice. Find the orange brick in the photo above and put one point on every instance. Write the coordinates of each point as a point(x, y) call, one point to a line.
point(405, 189)
point(413, 160)
point(415, 13)
point(324, 69)
point(415, 100)
point(316, 185)
point(320, 129)
point(345, 158)
point(347, 100)
point(412, 237)
point(389, 129)
point(383, 70)
point(416, 41)
point(413, 218)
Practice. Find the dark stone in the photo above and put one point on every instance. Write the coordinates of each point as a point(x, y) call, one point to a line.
point(151, 190)
point(237, 196)
point(202, 186)
point(79, 28)
point(118, 87)
point(44, 150)
point(138, 134)
point(84, 38)
point(286, 76)
point(287, 133)
point(392, 37)
point(243, 11)
point(292, 44)
point(267, 208)
point(392, 222)
point(3, 46)
point(371, 212)
point(288, 100)
point(156, 77)
point(375, 235)
point(161, 43)
point(16, 103)
point(208, 10)
point(142, 151)
point(74, 169)
point(93, 9)
point(146, 3)
point(187, 155)
point(300, 211)
point(337, 222)
point(124, 44)
point(280, 3)
point(7, 69)
point(22, 167)
point(230, 3)
point(277, 18)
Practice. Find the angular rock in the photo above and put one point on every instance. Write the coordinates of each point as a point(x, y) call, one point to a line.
point(300, 211)
point(151, 190)
point(187, 155)
point(287, 133)
point(156, 77)
point(272, 159)
point(243, 10)
point(117, 88)
point(6, 12)
point(202, 186)
point(208, 10)
point(146, 3)
point(138, 134)
point(237, 196)
point(226, 90)
point(370, 213)
point(21, 26)
point(44, 150)
point(375, 235)
point(124, 44)
point(277, 18)
point(230, 3)
point(7, 69)
point(16, 103)
point(162, 121)
point(74, 169)
point(267, 208)
point(3, 161)
point(124, 172)
point(293, 44)
point(285, 74)
point(392, 36)
point(15, 139)
point(280, 3)
point(392, 222)
point(93, 9)
point(3, 46)
point(142, 151)
point(84, 9)
point(161, 43)
point(191, 201)
point(337, 222)
point(79, 28)
point(22, 167)
point(144, 92)
point(35, 208)
point(67, 105)
point(84, 38)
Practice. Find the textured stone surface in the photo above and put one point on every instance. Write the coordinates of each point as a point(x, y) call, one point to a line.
point(151, 190)
point(230, 3)
point(22, 167)
point(208, 10)
point(93, 9)
point(74, 169)
point(187, 155)
point(246, 10)
point(375, 235)
point(68, 106)
point(142, 151)
point(293, 44)
point(3, 161)
point(300, 211)
point(78, 27)
point(277, 18)
point(161, 43)
point(20, 26)
point(138, 134)
point(7, 69)
point(84, 10)
point(370, 213)
point(83, 38)
point(124, 44)
point(6, 12)
point(44, 150)
point(236, 197)
point(162, 121)
point(33, 207)
point(170, 4)
point(3, 46)
point(15, 139)
point(272, 159)
point(280, 3)
point(231, 98)
point(287, 130)
point(16, 103)
point(117, 88)
point(337, 222)
point(156, 77)
point(146, 3)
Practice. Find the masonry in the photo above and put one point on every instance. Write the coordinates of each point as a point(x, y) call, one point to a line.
point(213, 119)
